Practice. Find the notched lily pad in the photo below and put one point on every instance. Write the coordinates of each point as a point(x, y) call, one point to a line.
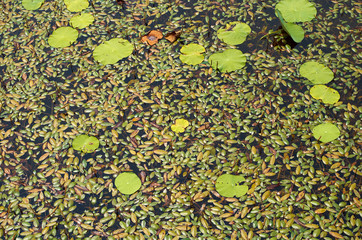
point(180, 125)
point(192, 54)
point(234, 33)
point(76, 5)
point(32, 4)
point(112, 51)
point(228, 61)
point(228, 185)
point(326, 132)
point(82, 21)
point(324, 93)
point(316, 73)
point(127, 182)
point(85, 143)
point(296, 10)
point(63, 37)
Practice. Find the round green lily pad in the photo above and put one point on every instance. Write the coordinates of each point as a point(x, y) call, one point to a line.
point(295, 31)
point(127, 182)
point(326, 132)
point(82, 21)
point(296, 10)
point(234, 33)
point(228, 61)
point(192, 54)
point(324, 93)
point(316, 72)
point(85, 143)
point(76, 5)
point(228, 185)
point(63, 37)
point(180, 125)
point(32, 4)
point(112, 51)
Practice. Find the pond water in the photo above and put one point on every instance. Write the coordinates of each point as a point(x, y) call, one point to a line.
point(255, 122)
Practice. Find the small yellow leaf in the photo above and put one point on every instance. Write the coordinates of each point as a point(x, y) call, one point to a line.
point(320, 210)
point(160, 152)
point(179, 125)
point(311, 225)
point(336, 235)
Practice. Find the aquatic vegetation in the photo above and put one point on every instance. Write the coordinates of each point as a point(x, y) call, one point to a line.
point(127, 182)
point(152, 37)
point(85, 143)
point(316, 73)
point(228, 185)
point(110, 52)
point(32, 4)
point(295, 31)
point(326, 132)
point(63, 37)
point(296, 10)
point(180, 125)
point(192, 54)
point(326, 94)
point(228, 61)
point(76, 5)
point(81, 21)
point(234, 33)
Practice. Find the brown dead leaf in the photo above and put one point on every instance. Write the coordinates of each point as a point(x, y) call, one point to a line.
point(152, 37)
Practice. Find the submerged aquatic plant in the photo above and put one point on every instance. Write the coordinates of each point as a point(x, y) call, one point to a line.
point(112, 51)
point(63, 37)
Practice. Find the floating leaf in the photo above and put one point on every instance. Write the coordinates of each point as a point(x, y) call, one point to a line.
point(179, 125)
point(127, 182)
point(227, 61)
point(326, 132)
point(296, 10)
point(324, 93)
point(85, 143)
point(32, 4)
point(192, 54)
point(76, 5)
point(152, 37)
point(228, 185)
point(295, 31)
point(316, 72)
point(234, 33)
point(82, 21)
point(173, 36)
point(63, 37)
point(112, 51)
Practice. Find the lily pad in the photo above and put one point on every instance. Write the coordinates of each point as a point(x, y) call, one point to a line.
point(324, 93)
point(32, 4)
point(234, 33)
point(127, 182)
point(180, 125)
point(112, 51)
point(295, 31)
point(228, 61)
point(296, 10)
point(63, 37)
point(192, 54)
point(76, 5)
point(82, 21)
point(316, 72)
point(326, 132)
point(228, 185)
point(85, 143)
